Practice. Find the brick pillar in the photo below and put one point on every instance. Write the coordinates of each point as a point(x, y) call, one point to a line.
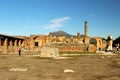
point(11, 46)
point(6, 45)
point(32, 44)
point(11, 43)
point(23, 43)
point(6, 42)
point(19, 43)
point(78, 37)
point(15, 43)
point(50, 36)
point(44, 42)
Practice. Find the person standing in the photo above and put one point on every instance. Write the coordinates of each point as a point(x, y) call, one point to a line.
point(19, 51)
point(117, 46)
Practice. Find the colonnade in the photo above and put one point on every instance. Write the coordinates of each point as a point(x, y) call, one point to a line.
point(9, 43)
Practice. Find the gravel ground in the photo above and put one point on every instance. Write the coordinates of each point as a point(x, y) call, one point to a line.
point(83, 67)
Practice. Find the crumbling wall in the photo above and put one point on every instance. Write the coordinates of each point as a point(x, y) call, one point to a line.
point(49, 52)
point(74, 47)
point(8, 49)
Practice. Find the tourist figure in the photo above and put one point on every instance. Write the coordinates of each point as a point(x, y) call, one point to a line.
point(19, 51)
point(117, 46)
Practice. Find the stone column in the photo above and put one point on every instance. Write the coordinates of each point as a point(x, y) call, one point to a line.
point(44, 41)
point(11, 43)
point(6, 42)
point(6, 45)
point(15, 43)
point(31, 44)
point(23, 43)
point(50, 36)
point(78, 37)
point(86, 28)
point(19, 43)
point(85, 31)
point(11, 46)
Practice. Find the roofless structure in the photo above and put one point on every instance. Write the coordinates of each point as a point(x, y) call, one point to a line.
point(9, 44)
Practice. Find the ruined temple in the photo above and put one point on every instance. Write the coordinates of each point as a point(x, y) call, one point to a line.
point(77, 43)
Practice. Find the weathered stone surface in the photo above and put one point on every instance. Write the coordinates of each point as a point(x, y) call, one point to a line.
point(63, 57)
point(100, 51)
point(49, 52)
point(68, 71)
point(18, 69)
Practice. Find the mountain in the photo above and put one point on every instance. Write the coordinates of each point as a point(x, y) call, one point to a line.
point(62, 33)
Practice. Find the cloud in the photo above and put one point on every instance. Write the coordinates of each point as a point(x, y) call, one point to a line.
point(57, 23)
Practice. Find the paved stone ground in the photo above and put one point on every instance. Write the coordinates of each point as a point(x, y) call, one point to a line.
point(85, 67)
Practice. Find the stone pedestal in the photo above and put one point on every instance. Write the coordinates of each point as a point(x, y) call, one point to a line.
point(49, 52)
point(109, 43)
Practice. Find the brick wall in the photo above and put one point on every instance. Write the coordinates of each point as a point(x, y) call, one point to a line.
point(74, 47)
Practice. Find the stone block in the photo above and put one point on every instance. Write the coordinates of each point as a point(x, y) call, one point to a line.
point(49, 52)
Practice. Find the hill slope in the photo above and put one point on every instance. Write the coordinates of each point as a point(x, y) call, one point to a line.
point(62, 33)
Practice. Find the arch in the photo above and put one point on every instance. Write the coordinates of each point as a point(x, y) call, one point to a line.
point(93, 41)
point(36, 37)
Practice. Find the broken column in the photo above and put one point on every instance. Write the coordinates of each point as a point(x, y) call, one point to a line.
point(85, 31)
point(78, 37)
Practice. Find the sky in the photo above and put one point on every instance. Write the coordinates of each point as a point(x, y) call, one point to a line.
point(29, 17)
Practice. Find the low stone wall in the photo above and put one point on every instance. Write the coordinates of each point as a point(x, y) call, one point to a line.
point(3, 49)
point(8, 49)
point(71, 49)
point(62, 48)
point(49, 52)
point(92, 48)
point(74, 47)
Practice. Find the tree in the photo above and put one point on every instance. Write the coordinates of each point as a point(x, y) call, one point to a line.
point(116, 41)
point(103, 39)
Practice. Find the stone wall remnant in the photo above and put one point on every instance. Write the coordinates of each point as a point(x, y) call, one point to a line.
point(49, 52)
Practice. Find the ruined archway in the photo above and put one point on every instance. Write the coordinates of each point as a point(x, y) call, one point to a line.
point(93, 41)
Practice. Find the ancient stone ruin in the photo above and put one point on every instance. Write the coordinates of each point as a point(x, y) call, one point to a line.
point(49, 52)
point(64, 42)
point(109, 43)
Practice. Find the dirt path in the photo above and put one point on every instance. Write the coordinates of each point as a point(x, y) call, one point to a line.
point(85, 68)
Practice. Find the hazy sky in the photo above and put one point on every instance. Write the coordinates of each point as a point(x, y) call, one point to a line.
point(26, 17)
